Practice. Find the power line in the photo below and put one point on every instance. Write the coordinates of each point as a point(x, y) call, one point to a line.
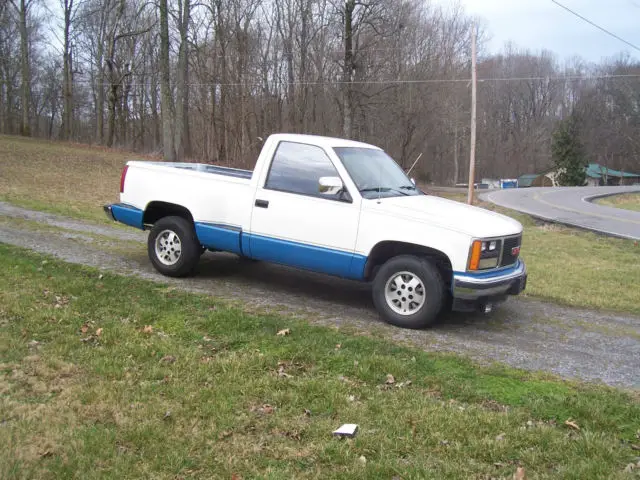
point(387, 82)
point(596, 25)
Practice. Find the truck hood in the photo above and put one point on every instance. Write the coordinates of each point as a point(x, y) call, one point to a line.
point(448, 214)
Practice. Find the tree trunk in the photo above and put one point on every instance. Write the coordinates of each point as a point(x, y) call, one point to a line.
point(111, 115)
point(182, 142)
point(348, 69)
point(25, 125)
point(67, 114)
point(166, 100)
point(304, 51)
point(456, 166)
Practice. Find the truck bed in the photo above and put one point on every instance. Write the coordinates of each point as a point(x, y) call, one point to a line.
point(204, 167)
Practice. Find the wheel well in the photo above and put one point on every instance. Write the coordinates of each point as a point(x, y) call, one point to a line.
point(157, 210)
point(384, 251)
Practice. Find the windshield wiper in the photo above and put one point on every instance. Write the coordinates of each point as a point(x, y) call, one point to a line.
point(408, 187)
point(382, 189)
point(374, 189)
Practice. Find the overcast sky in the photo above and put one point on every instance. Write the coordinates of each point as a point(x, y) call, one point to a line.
point(538, 24)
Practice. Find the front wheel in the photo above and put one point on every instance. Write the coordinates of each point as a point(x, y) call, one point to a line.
point(173, 247)
point(408, 291)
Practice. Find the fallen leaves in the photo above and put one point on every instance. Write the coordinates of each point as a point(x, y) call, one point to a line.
point(147, 329)
point(168, 359)
point(520, 474)
point(264, 409)
point(61, 301)
point(571, 424)
point(390, 382)
point(86, 329)
point(282, 333)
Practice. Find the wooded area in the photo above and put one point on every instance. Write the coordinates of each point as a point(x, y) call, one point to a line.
point(203, 81)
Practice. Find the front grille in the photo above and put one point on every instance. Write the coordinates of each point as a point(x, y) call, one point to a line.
point(507, 257)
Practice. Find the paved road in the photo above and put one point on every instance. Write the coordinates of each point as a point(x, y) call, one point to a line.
point(525, 333)
point(571, 206)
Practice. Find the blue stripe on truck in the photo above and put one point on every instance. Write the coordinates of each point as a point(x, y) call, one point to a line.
point(229, 238)
point(308, 257)
point(219, 237)
point(128, 215)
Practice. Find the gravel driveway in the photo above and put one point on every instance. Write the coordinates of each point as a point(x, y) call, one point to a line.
point(524, 333)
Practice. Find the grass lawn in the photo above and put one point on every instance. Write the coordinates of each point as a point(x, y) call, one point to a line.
point(578, 268)
point(56, 177)
point(566, 265)
point(628, 201)
point(106, 376)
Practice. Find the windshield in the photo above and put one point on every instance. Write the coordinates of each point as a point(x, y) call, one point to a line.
point(375, 173)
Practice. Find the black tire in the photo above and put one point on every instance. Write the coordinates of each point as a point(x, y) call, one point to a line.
point(433, 289)
point(190, 247)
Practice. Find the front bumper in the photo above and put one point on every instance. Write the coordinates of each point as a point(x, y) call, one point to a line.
point(471, 291)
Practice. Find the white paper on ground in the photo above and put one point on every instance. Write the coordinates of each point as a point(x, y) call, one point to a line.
point(348, 429)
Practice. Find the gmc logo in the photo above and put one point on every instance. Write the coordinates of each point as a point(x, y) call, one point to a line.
point(515, 251)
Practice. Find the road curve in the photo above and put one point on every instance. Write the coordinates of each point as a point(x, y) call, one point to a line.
point(572, 206)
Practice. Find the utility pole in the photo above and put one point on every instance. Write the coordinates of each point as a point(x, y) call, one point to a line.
point(472, 150)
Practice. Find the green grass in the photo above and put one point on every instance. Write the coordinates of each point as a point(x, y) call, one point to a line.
point(628, 201)
point(186, 397)
point(578, 268)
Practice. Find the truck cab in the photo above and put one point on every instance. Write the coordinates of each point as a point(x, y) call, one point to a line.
point(332, 206)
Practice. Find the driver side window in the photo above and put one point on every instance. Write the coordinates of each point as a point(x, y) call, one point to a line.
point(297, 168)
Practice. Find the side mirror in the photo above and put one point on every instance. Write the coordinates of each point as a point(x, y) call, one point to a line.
point(330, 185)
point(413, 180)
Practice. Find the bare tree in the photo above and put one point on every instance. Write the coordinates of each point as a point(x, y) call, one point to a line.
point(23, 7)
point(165, 86)
point(182, 132)
point(69, 12)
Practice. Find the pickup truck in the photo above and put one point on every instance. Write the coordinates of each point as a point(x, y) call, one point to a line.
point(333, 206)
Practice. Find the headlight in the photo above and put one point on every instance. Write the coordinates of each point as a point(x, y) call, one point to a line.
point(484, 254)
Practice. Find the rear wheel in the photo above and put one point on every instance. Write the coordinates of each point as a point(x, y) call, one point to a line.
point(408, 291)
point(173, 247)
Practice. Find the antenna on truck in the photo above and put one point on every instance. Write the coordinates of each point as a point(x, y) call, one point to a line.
point(414, 164)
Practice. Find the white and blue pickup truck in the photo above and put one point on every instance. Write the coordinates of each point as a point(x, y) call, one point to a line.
point(333, 206)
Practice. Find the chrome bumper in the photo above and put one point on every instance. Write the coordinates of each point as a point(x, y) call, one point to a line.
point(484, 286)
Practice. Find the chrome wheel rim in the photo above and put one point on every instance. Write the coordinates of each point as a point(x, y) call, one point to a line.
point(404, 292)
point(168, 247)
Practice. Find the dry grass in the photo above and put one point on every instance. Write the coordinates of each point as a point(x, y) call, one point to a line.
point(69, 179)
point(628, 201)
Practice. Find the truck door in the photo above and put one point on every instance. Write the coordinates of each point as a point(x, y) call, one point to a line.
point(294, 223)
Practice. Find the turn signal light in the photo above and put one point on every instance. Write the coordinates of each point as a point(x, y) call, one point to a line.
point(474, 261)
